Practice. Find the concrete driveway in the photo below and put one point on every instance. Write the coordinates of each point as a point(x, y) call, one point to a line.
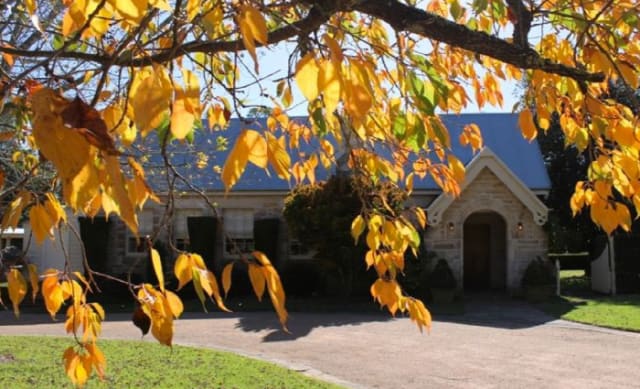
point(494, 345)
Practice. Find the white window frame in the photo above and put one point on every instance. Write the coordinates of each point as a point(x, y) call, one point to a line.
point(238, 226)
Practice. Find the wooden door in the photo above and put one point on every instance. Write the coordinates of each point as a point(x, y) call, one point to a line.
point(477, 256)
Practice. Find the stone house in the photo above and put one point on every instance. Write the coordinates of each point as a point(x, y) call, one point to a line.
point(488, 235)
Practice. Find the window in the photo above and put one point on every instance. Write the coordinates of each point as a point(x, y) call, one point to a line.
point(137, 246)
point(238, 231)
point(181, 227)
point(182, 244)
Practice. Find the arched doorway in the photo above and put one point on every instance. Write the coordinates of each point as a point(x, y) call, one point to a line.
point(485, 252)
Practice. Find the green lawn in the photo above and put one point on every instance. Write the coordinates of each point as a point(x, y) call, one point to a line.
point(36, 362)
point(578, 303)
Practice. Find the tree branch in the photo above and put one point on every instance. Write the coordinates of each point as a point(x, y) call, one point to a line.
point(399, 16)
point(402, 17)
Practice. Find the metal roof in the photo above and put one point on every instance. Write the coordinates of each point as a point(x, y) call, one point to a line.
point(499, 130)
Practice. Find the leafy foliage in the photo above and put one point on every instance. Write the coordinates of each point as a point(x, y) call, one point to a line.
point(90, 80)
point(321, 215)
point(539, 272)
point(442, 276)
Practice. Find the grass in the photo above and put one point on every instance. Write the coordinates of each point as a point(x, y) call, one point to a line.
point(578, 303)
point(36, 362)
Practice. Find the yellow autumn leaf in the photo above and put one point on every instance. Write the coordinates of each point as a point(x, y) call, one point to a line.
point(307, 76)
point(182, 270)
point(34, 279)
point(276, 292)
point(175, 303)
point(330, 84)
point(131, 10)
point(387, 293)
point(527, 126)
point(357, 227)
point(253, 28)
point(54, 139)
point(250, 146)
point(157, 267)
point(31, 6)
point(77, 366)
point(116, 122)
point(54, 209)
point(457, 168)
point(17, 289)
point(118, 192)
point(257, 279)
point(97, 359)
point(181, 119)
point(150, 97)
point(13, 212)
point(278, 156)
point(421, 216)
point(215, 291)
point(52, 292)
point(41, 223)
point(226, 278)
point(419, 314)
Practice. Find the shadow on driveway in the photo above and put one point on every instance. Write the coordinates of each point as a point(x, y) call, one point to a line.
point(498, 311)
point(302, 328)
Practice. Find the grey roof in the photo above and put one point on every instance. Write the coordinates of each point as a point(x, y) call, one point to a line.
point(499, 130)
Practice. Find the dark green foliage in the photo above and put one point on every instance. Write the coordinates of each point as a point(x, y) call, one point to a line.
point(320, 217)
point(539, 272)
point(415, 276)
point(442, 276)
point(301, 278)
point(565, 166)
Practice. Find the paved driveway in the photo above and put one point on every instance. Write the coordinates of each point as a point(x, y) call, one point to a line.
point(505, 345)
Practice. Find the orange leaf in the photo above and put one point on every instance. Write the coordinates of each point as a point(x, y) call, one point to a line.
point(33, 277)
point(527, 126)
point(257, 279)
point(226, 278)
point(52, 292)
point(17, 289)
point(157, 267)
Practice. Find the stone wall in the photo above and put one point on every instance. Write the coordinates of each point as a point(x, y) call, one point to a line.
point(487, 193)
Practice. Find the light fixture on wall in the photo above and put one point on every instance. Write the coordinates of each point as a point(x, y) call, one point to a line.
point(520, 227)
point(450, 226)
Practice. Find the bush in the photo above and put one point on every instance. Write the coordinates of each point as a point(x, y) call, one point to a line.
point(442, 276)
point(415, 276)
point(539, 272)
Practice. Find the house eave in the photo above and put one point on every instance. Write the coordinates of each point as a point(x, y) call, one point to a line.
point(487, 159)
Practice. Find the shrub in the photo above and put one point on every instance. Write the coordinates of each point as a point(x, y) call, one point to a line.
point(442, 276)
point(539, 272)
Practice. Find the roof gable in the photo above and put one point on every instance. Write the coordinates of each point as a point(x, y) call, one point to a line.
point(487, 159)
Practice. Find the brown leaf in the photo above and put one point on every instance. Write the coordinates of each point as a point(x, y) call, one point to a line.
point(141, 320)
point(86, 119)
